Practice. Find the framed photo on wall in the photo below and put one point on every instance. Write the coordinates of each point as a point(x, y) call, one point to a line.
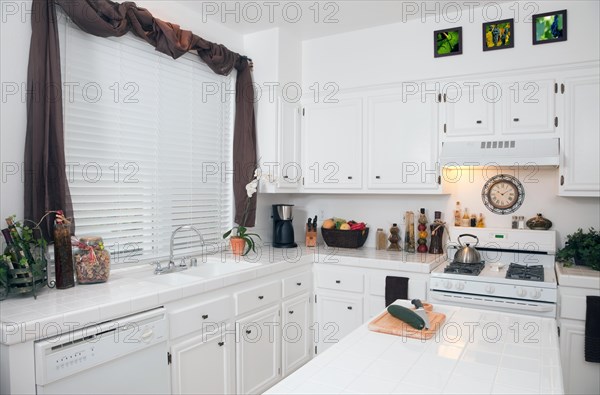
point(549, 27)
point(447, 42)
point(498, 34)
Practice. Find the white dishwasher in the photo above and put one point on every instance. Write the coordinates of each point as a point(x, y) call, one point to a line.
point(124, 356)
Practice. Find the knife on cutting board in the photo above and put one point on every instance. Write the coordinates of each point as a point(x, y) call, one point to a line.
point(420, 310)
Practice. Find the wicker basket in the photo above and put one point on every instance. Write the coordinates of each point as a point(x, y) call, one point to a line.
point(345, 238)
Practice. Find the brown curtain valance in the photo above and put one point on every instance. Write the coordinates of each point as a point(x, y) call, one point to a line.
point(46, 186)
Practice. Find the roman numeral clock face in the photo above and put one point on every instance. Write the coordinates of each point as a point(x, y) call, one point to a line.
point(503, 194)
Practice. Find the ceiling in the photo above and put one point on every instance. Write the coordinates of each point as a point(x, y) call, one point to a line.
point(308, 19)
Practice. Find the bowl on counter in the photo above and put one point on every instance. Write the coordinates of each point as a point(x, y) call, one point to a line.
point(345, 238)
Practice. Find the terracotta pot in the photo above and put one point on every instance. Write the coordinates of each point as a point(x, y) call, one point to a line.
point(237, 245)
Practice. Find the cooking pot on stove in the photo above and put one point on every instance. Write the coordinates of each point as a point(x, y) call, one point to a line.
point(466, 253)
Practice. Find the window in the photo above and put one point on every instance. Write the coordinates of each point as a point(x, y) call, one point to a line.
point(145, 135)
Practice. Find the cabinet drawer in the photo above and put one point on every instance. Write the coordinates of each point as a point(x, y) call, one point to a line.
point(340, 281)
point(255, 298)
point(296, 284)
point(198, 316)
point(573, 302)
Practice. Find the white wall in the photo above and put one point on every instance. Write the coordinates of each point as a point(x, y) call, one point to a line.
point(404, 52)
point(15, 34)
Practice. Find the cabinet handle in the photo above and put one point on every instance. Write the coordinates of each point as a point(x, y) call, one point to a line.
point(298, 284)
point(562, 180)
point(349, 177)
point(377, 177)
point(248, 331)
point(338, 281)
point(205, 316)
point(221, 344)
point(349, 307)
point(478, 122)
point(285, 177)
point(444, 98)
point(261, 297)
point(439, 97)
point(516, 119)
point(562, 88)
point(291, 311)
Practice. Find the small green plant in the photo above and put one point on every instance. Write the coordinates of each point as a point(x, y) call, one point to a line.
point(582, 249)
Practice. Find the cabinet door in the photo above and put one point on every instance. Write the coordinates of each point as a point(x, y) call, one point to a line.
point(258, 352)
point(528, 108)
point(337, 316)
point(580, 163)
point(579, 376)
point(402, 142)
point(296, 339)
point(332, 145)
point(290, 172)
point(469, 112)
point(203, 365)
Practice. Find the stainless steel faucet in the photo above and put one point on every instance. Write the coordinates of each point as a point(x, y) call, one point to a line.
point(185, 227)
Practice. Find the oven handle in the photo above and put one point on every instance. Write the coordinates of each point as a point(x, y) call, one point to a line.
point(540, 308)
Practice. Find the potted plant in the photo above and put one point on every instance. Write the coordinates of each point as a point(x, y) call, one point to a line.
point(242, 241)
point(582, 249)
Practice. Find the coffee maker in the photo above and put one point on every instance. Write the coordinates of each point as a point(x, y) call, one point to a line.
point(283, 231)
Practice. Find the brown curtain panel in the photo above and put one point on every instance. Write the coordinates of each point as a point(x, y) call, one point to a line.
point(45, 181)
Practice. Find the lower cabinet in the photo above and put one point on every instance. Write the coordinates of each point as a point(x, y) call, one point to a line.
point(258, 351)
point(338, 314)
point(203, 364)
point(579, 376)
point(295, 333)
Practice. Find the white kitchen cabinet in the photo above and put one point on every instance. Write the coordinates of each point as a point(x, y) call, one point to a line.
point(528, 108)
point(509, 107)
point(296, 336)
point(258, 351)
point(402, 142)
point(468, 112)
point(580, 162)
point(337, 314)
point(288, 135)
point(580, 377)
point(332, 145)
point(203, 364)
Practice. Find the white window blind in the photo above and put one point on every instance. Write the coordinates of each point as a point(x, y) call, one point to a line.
point(139, 132)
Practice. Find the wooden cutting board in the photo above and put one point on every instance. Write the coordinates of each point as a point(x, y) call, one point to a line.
point(386, 323)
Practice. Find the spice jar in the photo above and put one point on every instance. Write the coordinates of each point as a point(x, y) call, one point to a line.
point(92, 261)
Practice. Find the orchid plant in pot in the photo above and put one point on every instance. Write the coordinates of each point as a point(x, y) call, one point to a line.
point(243, 241)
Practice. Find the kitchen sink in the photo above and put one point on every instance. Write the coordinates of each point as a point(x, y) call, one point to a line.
point(213, 268)
point(175, 279)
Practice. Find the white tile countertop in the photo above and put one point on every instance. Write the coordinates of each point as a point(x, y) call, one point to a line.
point(577, 276)
point(135, 289)
point(475, 351)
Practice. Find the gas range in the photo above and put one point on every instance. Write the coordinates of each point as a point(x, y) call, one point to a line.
point(495, 283)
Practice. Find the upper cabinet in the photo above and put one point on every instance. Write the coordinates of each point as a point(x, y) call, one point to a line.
point(580, 163)
point(288, 138)
point(507, 107)
point(402, 143)
point(332, 145)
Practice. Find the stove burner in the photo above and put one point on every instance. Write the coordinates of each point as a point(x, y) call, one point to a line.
point(469, 269)
point(524, 272)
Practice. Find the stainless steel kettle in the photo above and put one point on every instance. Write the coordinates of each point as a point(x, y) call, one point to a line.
point(466, 253)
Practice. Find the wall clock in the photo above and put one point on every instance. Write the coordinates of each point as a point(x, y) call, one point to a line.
point(503, 194)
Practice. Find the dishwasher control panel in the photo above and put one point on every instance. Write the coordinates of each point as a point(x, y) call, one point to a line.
point(75, 351)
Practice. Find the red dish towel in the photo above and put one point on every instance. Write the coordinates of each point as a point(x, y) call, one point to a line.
point(592, 329)
point(395, 288)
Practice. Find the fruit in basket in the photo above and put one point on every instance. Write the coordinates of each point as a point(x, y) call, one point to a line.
point(328, 224)
point(345, 226)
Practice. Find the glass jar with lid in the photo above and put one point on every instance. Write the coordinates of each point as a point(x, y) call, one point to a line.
point(92, 261)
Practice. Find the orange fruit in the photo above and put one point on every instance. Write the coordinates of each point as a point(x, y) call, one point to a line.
point(328, 224)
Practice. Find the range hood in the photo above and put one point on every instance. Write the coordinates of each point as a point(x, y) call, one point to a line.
point(506, 152)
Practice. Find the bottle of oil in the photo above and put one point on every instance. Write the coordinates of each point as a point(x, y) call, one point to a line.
point(457, 214)
point(466, 218)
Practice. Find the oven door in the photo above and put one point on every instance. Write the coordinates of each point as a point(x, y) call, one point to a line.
point(516, 306)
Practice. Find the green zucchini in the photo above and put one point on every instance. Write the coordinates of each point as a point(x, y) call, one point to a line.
point(406, 315)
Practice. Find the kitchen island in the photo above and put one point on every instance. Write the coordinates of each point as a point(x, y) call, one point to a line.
point(475, 351)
